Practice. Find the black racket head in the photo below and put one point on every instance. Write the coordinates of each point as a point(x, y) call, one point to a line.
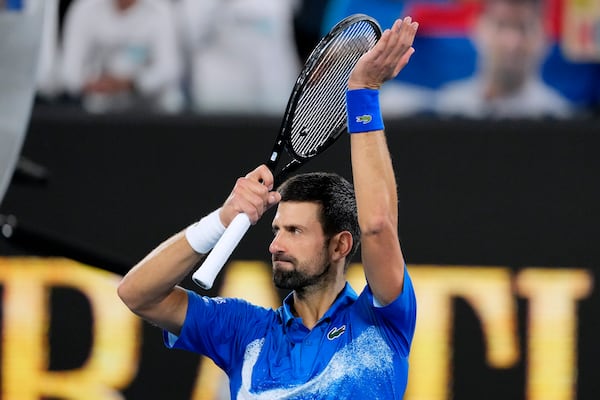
point(316, 111)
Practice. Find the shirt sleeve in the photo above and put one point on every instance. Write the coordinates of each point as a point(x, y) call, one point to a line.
point(219, 328)
point(396, 320)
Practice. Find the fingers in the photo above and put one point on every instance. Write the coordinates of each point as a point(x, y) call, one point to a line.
point(400, 39)
point(384, 61)
point(263, 175)
point(399, 42)
point(251, 195)
point(406, 28)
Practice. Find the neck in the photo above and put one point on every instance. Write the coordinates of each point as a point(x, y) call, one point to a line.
point(502, 85)
point(123, 5)
point(311, 305)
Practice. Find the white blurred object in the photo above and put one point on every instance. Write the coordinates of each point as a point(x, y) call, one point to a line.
point(240, 54)
point(138, 44)
point(48, 83)
point(400, 99)
point(20, 34)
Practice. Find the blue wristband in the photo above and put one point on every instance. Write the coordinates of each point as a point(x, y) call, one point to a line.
point(364, 114)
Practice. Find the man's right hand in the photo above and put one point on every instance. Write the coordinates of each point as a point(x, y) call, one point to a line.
point(252, 195)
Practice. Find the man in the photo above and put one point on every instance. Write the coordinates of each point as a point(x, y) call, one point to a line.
point(324, 342)
point(511, 44)
point(239, 54)
point(121, 55)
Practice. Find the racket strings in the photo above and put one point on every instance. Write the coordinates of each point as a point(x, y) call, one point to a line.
point(321, 109)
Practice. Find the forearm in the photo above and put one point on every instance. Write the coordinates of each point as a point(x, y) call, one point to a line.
point(150, 288)
point(150, 283)
point(152, 280)
point(376, 199)
point(375, 184)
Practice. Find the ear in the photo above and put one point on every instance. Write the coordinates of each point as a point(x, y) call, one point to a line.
point(340, 245)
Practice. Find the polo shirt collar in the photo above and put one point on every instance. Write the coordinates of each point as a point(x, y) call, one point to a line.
point(346, 297)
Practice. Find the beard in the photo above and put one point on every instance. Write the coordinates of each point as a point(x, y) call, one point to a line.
point(296, 278)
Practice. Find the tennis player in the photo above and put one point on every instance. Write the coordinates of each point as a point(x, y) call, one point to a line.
point(325, 341)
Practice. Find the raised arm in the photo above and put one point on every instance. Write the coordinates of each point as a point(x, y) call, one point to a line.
point(373, 174)
point(150, 289)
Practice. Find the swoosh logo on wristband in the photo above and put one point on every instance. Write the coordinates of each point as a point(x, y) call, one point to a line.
point(364, 119)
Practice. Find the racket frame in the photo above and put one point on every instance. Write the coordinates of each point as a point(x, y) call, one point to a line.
point(283, 140)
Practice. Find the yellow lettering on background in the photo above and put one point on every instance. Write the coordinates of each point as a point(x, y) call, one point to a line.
point(552, 330)
point(113, 358)
point(551, 345)
point(488, 292)
point(356, 277)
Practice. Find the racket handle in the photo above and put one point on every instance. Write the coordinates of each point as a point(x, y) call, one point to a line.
point(216, 259)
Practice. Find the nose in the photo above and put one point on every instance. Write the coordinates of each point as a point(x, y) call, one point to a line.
point(512, 39)
point(276, 245)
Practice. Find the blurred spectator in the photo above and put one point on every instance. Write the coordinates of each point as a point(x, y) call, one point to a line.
point(240, 54)
point(511, 46)
point(48, 82)
point(446, 33)
point(412, 91)
point(122, 55)
point(441, 36)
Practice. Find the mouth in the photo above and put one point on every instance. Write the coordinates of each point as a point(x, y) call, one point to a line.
point(281, 257)
point(281, 262)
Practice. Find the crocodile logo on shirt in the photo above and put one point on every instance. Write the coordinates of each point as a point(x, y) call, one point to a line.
point(336, 332)
point(365, 119)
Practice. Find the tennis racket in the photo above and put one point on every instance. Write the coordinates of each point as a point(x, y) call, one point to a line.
point(314, 119)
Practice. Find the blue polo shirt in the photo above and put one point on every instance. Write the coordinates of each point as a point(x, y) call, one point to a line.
point(356, 350)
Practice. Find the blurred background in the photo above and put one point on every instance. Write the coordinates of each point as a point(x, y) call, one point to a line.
point(123, 121)
point(243, 56)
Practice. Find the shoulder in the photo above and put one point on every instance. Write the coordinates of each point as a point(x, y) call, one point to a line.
point(543, 90)
point(547, 99)
point(458, 96)
point(221, 328)
point(403, 309)
point(395, 321)
point(400, 98)
point(459, 89)
point(86, 16)
point(87, 6)
point(160, 4)
point(226, 317)
point(230, 303)
point(155, 8)
point(228, 313)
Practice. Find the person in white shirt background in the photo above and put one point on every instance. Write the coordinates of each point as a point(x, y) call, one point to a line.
point(47, 80)
point(240, 54)
point(121, 55)
point(511, 45)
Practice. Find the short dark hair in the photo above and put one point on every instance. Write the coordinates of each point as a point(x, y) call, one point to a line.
point(336, 197)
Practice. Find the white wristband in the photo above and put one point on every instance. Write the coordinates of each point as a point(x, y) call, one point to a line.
point(204, 234)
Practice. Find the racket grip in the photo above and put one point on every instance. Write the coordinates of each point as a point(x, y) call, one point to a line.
point(216, 259)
